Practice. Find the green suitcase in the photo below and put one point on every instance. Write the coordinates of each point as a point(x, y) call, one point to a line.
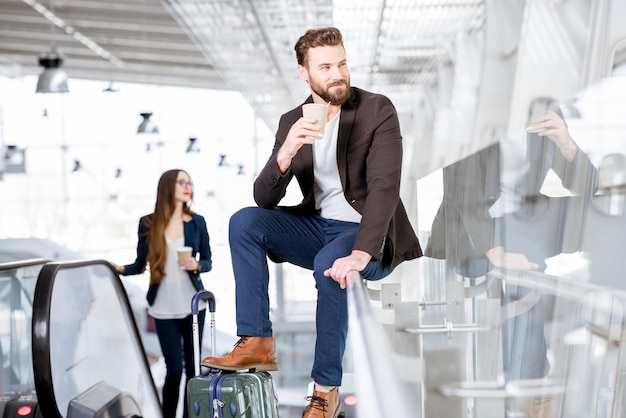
point(222, 394)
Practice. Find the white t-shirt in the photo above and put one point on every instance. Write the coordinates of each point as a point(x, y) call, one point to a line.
point(329, 197)
point(173, 299)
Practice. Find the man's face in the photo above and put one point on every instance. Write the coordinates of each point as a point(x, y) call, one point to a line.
point(327, 74)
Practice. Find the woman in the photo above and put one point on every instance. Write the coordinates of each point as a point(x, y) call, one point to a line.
point(172, 283)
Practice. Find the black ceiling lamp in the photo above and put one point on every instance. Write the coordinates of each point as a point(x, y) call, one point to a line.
point(53, 79)
point(147, 126)
point(110, 88)
point(222, 162)
point(193, 145)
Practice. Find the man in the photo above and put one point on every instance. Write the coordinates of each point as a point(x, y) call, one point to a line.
point(350, 224)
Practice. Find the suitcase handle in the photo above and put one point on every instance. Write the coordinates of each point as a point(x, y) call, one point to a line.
point(195, 300)
point(202, 295)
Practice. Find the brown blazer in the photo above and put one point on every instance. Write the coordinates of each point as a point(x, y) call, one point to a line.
point(369, 158)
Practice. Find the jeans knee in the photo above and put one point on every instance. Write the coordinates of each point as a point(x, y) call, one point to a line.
point(241, 220)
point(242, 216)
point(327, 287)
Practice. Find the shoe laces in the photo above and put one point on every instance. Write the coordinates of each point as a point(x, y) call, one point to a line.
point(316, 402)
point(241, 341)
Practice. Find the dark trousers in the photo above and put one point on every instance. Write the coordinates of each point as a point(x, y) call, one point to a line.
point(308, 241)
point(176, 339)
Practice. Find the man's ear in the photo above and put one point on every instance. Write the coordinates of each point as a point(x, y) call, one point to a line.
point(303, 73)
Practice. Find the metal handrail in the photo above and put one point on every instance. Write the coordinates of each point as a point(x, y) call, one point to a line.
point(379, 390)
point(447, 328)
point(13, 265)
point(492, 389)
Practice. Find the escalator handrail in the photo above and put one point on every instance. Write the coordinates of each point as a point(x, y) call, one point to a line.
point(14, 265)
point(42, 300)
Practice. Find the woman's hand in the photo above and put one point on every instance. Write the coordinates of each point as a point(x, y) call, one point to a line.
point(190, 264)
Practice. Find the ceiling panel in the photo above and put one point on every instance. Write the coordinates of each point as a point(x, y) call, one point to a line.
point(111, 40)
point(394, 46)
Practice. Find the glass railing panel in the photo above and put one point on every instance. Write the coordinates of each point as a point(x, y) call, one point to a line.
point(91, 336)
point(17, 284)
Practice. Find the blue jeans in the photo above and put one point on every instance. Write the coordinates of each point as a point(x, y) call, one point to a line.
point(308, 241)
point(176, 340)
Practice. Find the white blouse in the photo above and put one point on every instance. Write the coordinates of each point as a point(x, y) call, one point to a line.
point(173, 299)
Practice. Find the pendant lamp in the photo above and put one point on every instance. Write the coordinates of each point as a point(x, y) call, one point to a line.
point(147, 126)
point(53, 79)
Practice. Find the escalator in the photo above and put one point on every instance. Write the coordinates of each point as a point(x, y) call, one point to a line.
point(17, 390)
point(70, 347)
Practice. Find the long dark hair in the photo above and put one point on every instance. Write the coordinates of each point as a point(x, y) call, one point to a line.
point(163, 210)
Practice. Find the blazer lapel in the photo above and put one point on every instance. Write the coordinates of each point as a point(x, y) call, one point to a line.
point(346, 121)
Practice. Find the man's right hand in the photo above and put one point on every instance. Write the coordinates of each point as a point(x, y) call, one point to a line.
point(300, 133)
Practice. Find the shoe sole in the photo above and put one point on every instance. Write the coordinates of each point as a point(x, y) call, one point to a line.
point(260, 367)
point(336, 414)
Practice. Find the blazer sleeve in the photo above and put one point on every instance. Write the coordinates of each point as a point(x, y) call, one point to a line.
point(270, 186)
point(139, 265)
point(204, 247)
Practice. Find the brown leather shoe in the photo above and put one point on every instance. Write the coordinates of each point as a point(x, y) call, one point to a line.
point(323, 404)
point(249, 353)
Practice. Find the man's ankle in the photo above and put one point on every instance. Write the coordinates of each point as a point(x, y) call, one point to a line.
point(323, 388)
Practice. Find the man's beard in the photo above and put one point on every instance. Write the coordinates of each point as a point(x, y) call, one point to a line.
point(339, 97)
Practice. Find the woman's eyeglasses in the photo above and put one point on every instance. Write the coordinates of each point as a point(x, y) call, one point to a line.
point(184, 184)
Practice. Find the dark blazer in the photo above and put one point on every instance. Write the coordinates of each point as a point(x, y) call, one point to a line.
point(369, 158)
point(463, 229)
point(196, 237)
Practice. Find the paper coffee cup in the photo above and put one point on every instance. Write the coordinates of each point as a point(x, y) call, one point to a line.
point(318, 112)
point(183, 254)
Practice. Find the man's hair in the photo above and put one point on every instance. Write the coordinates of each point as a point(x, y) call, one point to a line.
point(314, 38)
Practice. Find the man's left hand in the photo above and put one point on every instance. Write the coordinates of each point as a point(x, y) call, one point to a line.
point(341, 268)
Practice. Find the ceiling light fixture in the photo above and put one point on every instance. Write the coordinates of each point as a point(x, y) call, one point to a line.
point(13, 160)
point(147, 126)
point(193, 145)
point(110, 88)
point(53, 79)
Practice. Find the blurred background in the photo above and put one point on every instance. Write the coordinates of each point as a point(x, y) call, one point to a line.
point(98, 98)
